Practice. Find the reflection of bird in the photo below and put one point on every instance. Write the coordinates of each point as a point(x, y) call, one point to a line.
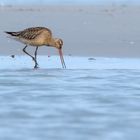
point(38, 36)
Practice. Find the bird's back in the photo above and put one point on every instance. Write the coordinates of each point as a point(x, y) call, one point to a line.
point(35, 36)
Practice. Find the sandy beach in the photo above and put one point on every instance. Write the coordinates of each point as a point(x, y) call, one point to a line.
point(102, 31)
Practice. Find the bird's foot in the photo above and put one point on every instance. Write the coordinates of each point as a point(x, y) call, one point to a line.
point(36, 66)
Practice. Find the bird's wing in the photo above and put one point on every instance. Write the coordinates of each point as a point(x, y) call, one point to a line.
point(32, 33)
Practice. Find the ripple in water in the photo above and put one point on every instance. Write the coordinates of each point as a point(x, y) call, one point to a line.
point(69, 104)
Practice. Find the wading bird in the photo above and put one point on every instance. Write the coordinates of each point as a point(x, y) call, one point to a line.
point(37, 37)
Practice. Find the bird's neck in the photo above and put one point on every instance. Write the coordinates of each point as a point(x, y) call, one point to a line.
point(52, 42)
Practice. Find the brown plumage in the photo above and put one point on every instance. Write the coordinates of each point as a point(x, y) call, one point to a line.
point(38, 36)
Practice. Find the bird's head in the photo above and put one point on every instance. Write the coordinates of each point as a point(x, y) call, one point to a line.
point(58, 43)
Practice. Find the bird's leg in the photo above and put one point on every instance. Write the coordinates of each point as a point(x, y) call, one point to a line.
point(24, 50)
point(36, 64)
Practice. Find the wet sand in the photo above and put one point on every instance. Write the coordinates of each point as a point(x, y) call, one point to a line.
point(104, 31)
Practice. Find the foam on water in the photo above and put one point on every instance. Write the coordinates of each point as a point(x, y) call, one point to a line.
point(94, 98)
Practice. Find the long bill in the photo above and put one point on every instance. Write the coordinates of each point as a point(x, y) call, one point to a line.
point(62, 59)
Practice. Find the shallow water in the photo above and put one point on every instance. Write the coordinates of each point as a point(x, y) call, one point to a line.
point(70, 104)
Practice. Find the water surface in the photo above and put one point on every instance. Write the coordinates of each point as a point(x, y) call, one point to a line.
point(70, 104)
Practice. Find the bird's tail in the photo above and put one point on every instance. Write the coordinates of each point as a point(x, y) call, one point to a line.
point(13, 33)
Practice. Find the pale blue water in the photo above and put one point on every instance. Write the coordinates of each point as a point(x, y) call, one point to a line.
point(77, 103)
point(61, 2)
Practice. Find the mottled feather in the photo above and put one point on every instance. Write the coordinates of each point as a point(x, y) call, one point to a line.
point(30, 33)
point(37, 36)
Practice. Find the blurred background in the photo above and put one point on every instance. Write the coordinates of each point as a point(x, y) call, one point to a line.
point(108, 28)
point(41, 2)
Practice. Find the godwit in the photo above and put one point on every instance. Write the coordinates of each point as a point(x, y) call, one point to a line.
point(38, 36)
